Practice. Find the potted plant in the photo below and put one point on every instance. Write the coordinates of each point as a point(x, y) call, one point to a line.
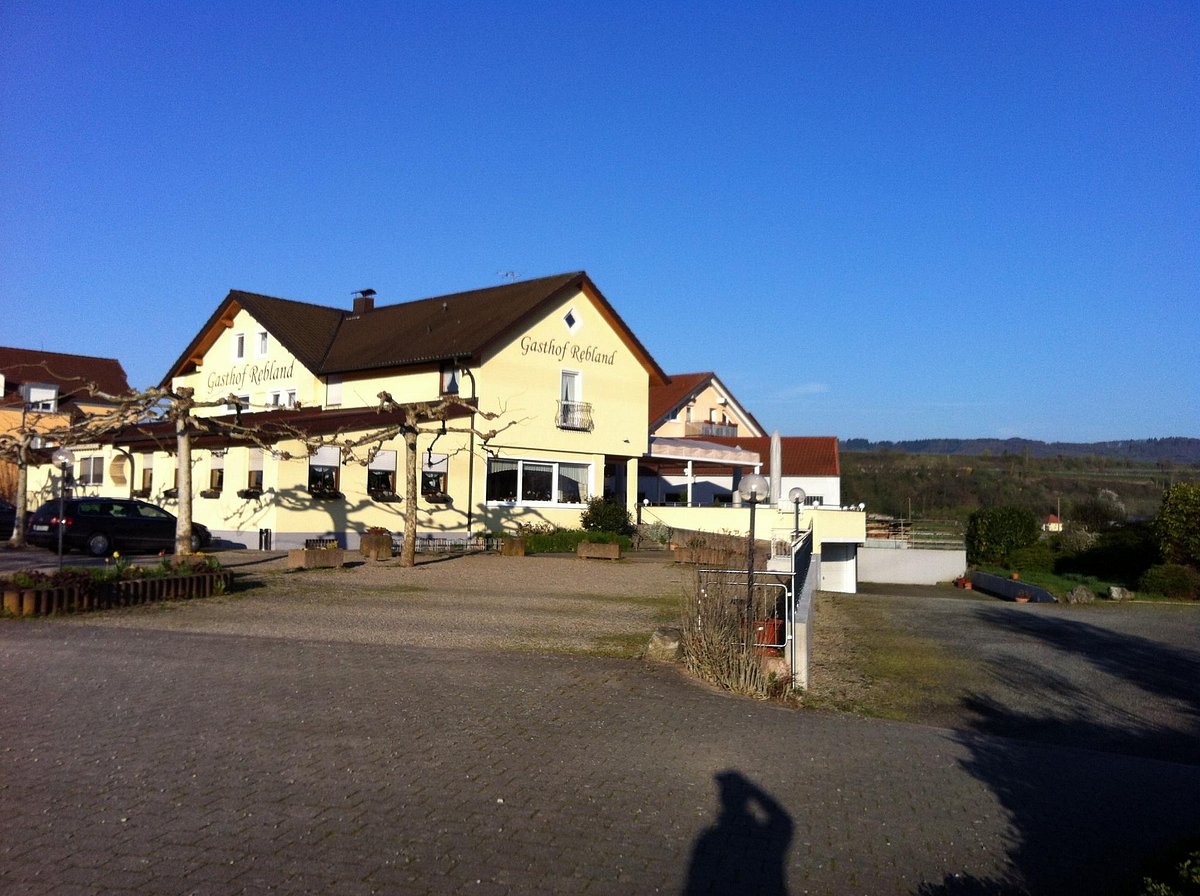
point(376, 544)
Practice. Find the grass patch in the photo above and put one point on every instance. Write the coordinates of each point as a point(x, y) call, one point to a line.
point(867, 665)
point(628, 645)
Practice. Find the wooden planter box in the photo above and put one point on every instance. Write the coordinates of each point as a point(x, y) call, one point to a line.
point(376, 547)
point(590, 551)
point(512, 547)
point(316, 558)
point(74, 599)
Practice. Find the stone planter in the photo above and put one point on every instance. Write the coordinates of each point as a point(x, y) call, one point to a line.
point(590, 551)
point(376, 547)
point(316, 558)
point(512, 547)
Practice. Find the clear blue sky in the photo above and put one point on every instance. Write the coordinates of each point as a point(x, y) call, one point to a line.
point(879, 220)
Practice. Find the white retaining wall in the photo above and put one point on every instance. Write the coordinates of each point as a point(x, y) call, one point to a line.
point(893, 562)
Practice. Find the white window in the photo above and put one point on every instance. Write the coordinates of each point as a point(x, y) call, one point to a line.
point(434, 470)
point(255, 478)
point(333, 391)
point(216, 471)
point(261, 343)
point(540, 482)
point(291, 398)
point(239, 346)
point(276, 399)
point(381, 473)
point(40, 397)
point(91, 471)
point(324, 470)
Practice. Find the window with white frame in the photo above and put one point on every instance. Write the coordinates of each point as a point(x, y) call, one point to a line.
point(254, 480)
point(333, 391)
point(381, 473)
point(91, 471)
point(216, 471)
point(283, 399)
point(147, 473)
point(324, 470)
point(40, 397)
point(434, 470)
point(261, 343)
point(536, 481)
point(239, 346)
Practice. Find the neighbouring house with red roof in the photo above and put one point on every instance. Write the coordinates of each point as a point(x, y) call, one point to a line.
point(43, 391)
point(702, 440)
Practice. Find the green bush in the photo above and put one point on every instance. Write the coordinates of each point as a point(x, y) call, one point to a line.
point(994, 533)
point(1121, 554)
point(566, 541)
point(1035, 558)
point(1172, 580)
point(606, 515)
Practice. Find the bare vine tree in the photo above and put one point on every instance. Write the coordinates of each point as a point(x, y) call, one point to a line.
point(148, 411)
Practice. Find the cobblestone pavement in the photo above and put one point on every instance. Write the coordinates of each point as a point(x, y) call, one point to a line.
point(149, 759)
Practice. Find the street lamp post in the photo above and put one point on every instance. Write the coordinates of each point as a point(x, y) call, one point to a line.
point(796, 496)
point(64, 458)
point(453, 390)
point(753, 489)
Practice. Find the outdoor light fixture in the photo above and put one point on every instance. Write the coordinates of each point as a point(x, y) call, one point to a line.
point(65, 458)
point(796, 496)
point(753, 489)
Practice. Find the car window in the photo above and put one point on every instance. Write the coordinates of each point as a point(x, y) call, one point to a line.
point(92, 508)
point(154, 513)
point(118, 510)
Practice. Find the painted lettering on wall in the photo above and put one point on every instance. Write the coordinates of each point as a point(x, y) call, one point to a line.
point(254, 374)
point(567, 351)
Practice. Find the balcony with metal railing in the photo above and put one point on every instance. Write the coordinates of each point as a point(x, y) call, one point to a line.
point(575, 415)
point(705, 428)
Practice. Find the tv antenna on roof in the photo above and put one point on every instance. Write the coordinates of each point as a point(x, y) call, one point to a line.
point(363, 293)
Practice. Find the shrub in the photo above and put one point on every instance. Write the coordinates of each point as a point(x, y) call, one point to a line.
point(1121, 554)
point(993, 533)
point(1172, 580)
point(1035, 558)
point(566, 541)
point(714, 640)
point(1177, 524)
point(606, 515)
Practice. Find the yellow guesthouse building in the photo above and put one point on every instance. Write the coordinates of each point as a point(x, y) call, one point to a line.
point(566, 379)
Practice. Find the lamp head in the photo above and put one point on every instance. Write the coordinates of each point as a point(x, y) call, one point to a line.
point(754, 488)
point(797, 495)
point(64, 457)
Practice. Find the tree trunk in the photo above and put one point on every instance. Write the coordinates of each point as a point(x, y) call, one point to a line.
point(183, 474)
point(408, 554)
point(21, 499)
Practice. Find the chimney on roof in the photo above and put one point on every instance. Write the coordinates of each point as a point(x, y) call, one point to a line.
point(364, 301)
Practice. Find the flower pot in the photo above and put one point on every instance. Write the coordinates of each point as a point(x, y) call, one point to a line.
point(377, 546)
point(768, 637)
point(315, 558)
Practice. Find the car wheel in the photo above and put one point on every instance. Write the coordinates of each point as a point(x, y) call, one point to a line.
point(98, 544)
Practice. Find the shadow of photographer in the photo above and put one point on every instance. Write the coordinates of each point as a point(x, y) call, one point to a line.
point(745, 850)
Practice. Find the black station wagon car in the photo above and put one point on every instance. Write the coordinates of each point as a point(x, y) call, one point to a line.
point(102, 525)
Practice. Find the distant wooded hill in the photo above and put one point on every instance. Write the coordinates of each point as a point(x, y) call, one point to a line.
point(1175, 450)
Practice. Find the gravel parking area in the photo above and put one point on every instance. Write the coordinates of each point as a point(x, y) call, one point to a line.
point(549, 604)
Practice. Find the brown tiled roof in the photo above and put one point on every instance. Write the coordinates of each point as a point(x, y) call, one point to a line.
point(462, 325)
point(678, 390)
point(801, 455)
point(71, 373)
point(673, 394)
